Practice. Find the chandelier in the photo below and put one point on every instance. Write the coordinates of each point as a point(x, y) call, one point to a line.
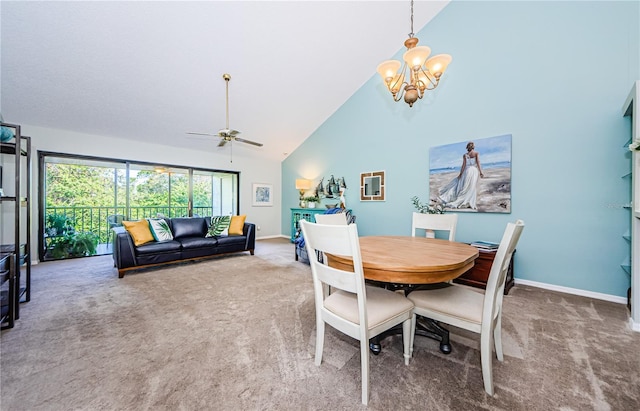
point(423, 75)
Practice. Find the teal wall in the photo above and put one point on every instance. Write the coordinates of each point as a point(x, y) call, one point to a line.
point(552, 74)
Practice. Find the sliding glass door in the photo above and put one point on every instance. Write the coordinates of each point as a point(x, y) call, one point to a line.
point(82, 198)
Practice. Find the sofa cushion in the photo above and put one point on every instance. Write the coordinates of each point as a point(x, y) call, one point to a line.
point(198, 242)
point(158, 247)
point(231, 240)
point(188, 227)
point(139, 231)
point(219, 225)
point(237, 224)
point(160, 229)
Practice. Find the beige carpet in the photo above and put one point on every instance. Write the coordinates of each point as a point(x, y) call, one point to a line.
point(237, 333)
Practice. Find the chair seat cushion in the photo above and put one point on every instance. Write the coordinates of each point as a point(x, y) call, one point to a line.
point(382, 305)
point(452, 301)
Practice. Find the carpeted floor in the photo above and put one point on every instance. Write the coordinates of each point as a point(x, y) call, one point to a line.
point(237, 333)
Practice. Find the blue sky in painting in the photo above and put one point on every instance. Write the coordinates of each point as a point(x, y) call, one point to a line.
point(494, 151)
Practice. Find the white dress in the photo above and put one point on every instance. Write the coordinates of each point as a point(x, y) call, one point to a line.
point(461, 191)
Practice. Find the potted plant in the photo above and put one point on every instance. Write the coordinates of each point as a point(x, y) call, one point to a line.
point(64, 241)
point(73, 244)
point(58, 225)
point(434, 208)
point(311, 201)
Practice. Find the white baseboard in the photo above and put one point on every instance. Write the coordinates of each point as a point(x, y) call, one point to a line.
point(574, 291)
point(634, 325)
point(272, 236)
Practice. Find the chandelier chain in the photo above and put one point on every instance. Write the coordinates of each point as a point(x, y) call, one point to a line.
point(411, 34)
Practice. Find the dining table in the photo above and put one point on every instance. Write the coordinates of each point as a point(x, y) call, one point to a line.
point(408, 263)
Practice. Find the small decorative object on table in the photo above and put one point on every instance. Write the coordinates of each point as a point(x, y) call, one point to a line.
point(312, 201)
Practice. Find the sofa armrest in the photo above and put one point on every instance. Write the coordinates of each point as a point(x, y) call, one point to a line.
point(249, 230)
point(123, 249)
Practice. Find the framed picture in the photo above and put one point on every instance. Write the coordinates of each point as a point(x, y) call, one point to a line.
point(472, 176)
point(262, 195)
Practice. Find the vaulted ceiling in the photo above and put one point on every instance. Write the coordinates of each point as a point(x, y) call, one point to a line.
point(152, 71)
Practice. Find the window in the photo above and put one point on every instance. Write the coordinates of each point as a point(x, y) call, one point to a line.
point(95, 193)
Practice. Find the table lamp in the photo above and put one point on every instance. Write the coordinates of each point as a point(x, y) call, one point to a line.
point(302, 185)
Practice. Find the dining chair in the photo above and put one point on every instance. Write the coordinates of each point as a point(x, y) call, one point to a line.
point(334, 219)
point(435, 222)
point(355, 309)
point(464, 308)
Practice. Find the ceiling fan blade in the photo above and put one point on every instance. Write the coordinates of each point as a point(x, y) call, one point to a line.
point(233, 132)
point(242, 140)
point(201, 134)
point(222, 142)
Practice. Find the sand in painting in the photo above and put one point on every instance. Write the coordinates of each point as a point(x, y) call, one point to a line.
point(494, 190)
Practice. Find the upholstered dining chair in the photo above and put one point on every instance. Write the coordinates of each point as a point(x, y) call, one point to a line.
point(334, 219)
point(359, 311)
point(434, 222)
point(464, 308)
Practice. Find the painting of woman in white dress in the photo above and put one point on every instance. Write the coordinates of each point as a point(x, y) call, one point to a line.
point(460, 181)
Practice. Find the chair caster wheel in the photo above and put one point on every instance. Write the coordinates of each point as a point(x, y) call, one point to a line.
point(375, 348)
point(445, 348)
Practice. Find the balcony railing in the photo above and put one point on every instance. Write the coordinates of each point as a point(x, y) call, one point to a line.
point(95, 219)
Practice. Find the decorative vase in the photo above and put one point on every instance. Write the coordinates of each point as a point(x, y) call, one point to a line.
point(312, 205)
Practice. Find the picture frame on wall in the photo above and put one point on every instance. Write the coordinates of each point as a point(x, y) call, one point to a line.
point(472, 175)
point(262, 195)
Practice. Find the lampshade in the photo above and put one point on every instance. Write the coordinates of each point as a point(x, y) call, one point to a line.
point(302, 184)
point(388, 69)
point(438, 64)
point(416, 56)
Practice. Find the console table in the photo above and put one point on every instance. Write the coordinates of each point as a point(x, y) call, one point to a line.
point(308, 214)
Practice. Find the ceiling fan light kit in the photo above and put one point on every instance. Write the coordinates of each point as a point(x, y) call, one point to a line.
point(417, 74)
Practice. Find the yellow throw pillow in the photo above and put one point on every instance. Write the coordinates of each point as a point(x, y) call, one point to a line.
point(237, 225)
point(139, 231)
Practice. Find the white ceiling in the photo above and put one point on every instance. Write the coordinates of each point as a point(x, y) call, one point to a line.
point(151, 71)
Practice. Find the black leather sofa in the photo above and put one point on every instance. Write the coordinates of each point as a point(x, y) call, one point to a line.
point(189, 243)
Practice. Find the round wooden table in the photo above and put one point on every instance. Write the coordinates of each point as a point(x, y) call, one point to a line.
point(410, 260)
point(405, 262)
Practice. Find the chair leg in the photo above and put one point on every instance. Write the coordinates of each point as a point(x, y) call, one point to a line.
point(486, 358)
point(412, 334)
point(319, 339)
point(497, 338)
point(407, 325)
point(364, 360)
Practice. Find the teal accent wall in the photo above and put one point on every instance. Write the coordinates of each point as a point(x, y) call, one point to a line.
point(554, 75)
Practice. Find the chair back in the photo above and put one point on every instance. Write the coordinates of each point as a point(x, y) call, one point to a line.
point(333, 219)
point(435, 222)
point(339, 240)
point(494, 291)
point(115, 220)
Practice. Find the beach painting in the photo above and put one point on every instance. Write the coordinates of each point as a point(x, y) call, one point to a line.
point(472, 175)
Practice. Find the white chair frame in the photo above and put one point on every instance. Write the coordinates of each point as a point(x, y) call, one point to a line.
point(470, 310)
point(359, 311)
point(334, 219)
point(435, 222)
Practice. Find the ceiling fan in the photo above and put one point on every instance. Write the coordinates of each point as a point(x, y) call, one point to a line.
point(227, 134)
